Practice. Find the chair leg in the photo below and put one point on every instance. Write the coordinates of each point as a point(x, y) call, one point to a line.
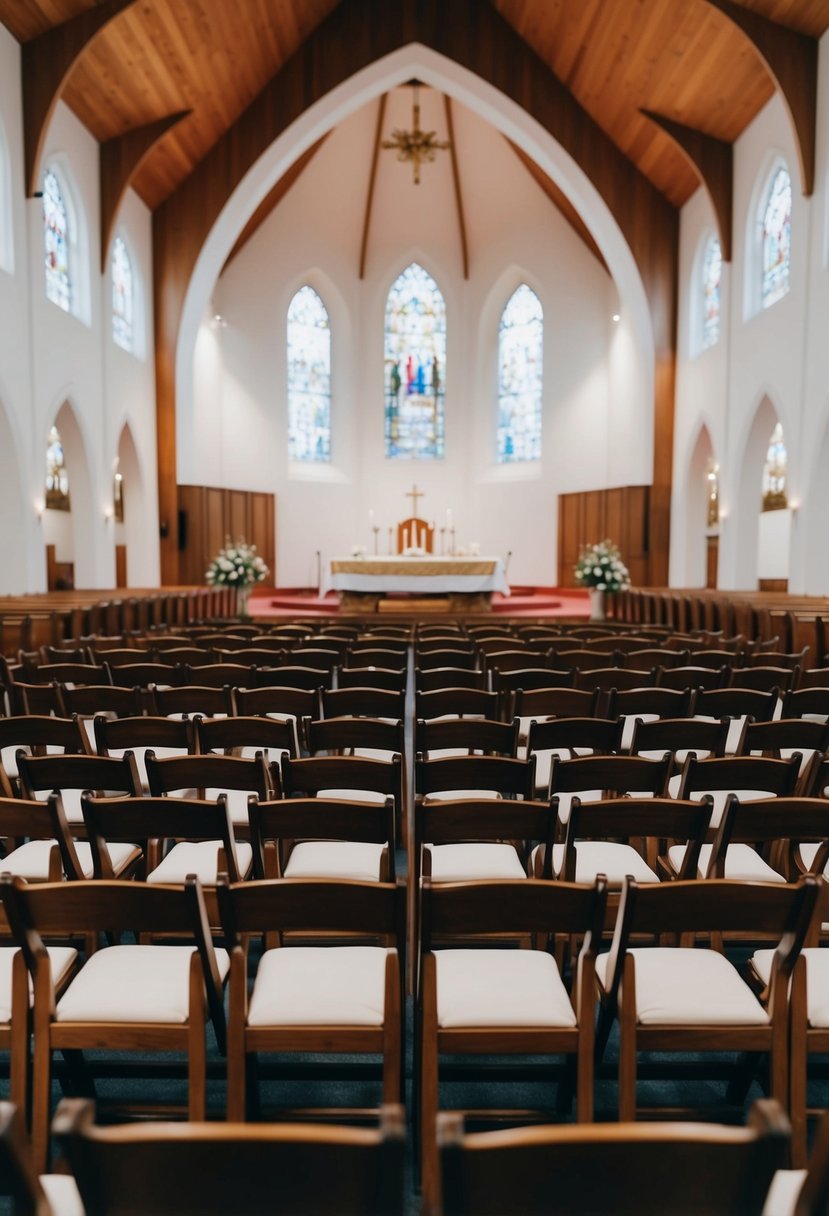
point(197, 1046)
point(798, 1067)
point(41, 1092)
point(429, 1166)
point(744, 1073)
point(627, 1049)
point(236, 1056)
point(19, 1038)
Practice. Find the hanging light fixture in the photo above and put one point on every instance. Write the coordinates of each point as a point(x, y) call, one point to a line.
point(417, 146)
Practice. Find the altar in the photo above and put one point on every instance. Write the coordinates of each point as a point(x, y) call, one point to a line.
point(465, 583)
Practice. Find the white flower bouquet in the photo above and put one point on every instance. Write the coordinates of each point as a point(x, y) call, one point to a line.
point(601, 566)
point(358, 551)
point(236, 565)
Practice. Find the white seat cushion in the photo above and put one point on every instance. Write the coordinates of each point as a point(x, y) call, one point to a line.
point(500, 988)
point(474, 860)
point(133, 984)
point(741, 862)
point(200, 858)
point(353, 795)
point(31, 860)
point(320, 986)
point(817, 981)
point(606, 857)
point(61, 959)
point(676, 986)
point(783, 1192)
point(237, 803)
point(450, 795)
point(374, 753)
point(335, 859)
point(63, 1194)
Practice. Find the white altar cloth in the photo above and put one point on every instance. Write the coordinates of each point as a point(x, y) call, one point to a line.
point(425, 575)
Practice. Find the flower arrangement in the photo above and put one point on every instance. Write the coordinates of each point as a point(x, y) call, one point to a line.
point(358, 551)
point(601, 566)
point(237, 565)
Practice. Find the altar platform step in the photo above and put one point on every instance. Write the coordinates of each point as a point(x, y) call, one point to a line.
point(274, 602)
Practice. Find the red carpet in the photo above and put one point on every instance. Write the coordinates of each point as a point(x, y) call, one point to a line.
point(266, 602)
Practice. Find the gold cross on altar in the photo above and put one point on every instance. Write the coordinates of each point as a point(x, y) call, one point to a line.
point(414, 494)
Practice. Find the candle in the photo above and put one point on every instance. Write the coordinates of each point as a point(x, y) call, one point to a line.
point(405, 538)
point(449, 517)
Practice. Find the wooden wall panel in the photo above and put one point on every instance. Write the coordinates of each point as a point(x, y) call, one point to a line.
point(620, 514)
point(209, 515)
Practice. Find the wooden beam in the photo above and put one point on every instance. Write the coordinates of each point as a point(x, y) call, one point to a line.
point(273, 198)
point(354, 35)
point(372, 179)
point(713, 160)
point(456, 179)
point(792, 61)
point(46, 63)
point(561, 202)
point(120, 160)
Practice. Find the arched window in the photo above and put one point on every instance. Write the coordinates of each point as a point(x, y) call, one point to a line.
point(415, 366)
point(122, 296)
point(774, 473)
point(57, 478)
point(56, 243)
point(520, 361)
point(711, 276)
point(712, 494)
point(777, 239)
point(309, 378)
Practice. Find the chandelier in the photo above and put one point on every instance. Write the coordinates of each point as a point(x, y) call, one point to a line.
point(417, 146)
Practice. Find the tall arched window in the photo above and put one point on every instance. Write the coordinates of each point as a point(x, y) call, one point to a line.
point(777, 238)
point(57, 478)
point(711, 276)
point(122, 296)
point(415, 366)
point(520, 363)
point(309, 378)
point(56, 243)
point(774, 473)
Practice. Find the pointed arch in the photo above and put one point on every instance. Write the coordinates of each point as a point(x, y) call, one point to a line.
point(745, 517)
point(701, 460)
point(414, 363)
point(309, 377)
point(73, 534)
point(65, 241)
point(131, 531)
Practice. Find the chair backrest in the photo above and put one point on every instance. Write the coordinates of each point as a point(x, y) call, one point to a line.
point(208, 772)
point(70, 673)
point(607, 678)
point(143, 732)
point(290, 675)
point(191, 699)
point(626, 819)
point(448, 656)
point(22, 819)
point(615, 775)
point(812, 700)
point(39, 731)
point(761, 773)
point(680, 735)
point(229, 735)
point(502, 774)
point(142, 675)
point(555, 702)
point(482, 735)
point(664, 702)
point(362, 702)
point(763, 678)
point(602, 736)
point(633, 1169)
point(280, 822)
point(692, 677)
point(170, 1168)
point(312, 905)
point(90, 699)
point(457, 702)
point(105, 773)
point(769, 738)
point(791, 821)
point(371, 677)
point(480, 819)
point(448, 677)
point(276, 699)
point(220, 675)
point(309, 775)
point(717, 702)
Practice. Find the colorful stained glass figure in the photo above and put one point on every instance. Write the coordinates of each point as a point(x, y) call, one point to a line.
point(777, 238)
point(122, 296)
point(56, 243)
point(774, 472)
point(309, 378)
point(415, 367)
point(711, 276)
point(520, 363)
point(57, 478)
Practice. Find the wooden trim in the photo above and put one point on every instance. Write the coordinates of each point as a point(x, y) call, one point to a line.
point(713, 160)
point(372, 179)
point(561, 202)
point(120, 160)
point(456, 181)
point(792, 61)
point(46, 62)
point(354, 35)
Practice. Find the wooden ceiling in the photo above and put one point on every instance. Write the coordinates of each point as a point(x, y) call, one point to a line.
point(684, 59)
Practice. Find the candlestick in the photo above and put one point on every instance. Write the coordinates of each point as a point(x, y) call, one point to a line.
point(451, 542)
point(375, 530)
point(371, 517)
point(449, 518)
point(442, 542)
point(391, 541)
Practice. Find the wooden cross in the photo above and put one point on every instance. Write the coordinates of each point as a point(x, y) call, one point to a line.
point(414, 494)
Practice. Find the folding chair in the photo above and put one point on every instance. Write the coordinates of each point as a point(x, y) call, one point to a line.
point(323, 838)
point(71, 775)
point(207, 777)
point(39, 846)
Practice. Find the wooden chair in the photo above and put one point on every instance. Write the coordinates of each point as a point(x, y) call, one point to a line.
point(288, 675)
point(143, 675)
point(170, 1168)
point(468, 839)
point(475, 777)
point(220, 675)
point(39, 735)
point(434, 739)
point(350, 777)
point(629, 1169)
point(191, 699)
point(69, 673)
point(90, 699)
point(449, 677)
point(164, 736)
point(456, 703)
point(31, 1194)
point(568, 737)
point(347, 736)
point(650, 703)
point(323, 838)
point(31, 699)
point(116, 656)
point(767, 840)
point(691, 676)
point(245, 736)
point(784, 736)
point(370, 642)
point(764, 678)
point(427, 660)
point(596, 777)
point(749, 777)
point(362, 702)
point(502, 1001)
point(117, 999)
point(538, 704)
point(739, 704)
point(39, 846)
point(209, 776)
point(681, 736)
point(314, 998)
point(381, 678)
point(71, 775)
point(680, 998)
point(608, 678)
point(805, 702)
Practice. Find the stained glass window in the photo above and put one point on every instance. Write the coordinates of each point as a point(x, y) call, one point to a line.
point(712, 480)
point(57, 478)
point(56, 241)
point(309, 378)
point(122, 295)
point(415, 367)
point(520, 358)
point(777, 238)
point(711, 275)
point(774, 473)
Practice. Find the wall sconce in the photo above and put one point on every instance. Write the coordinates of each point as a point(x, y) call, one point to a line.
point(40, 507)
point(616, 317)
point(109, 514)
point(794, 507)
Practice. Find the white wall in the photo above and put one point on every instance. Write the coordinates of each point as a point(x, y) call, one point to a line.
point(49, 358)
point(239, 438)
point(772, 363)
